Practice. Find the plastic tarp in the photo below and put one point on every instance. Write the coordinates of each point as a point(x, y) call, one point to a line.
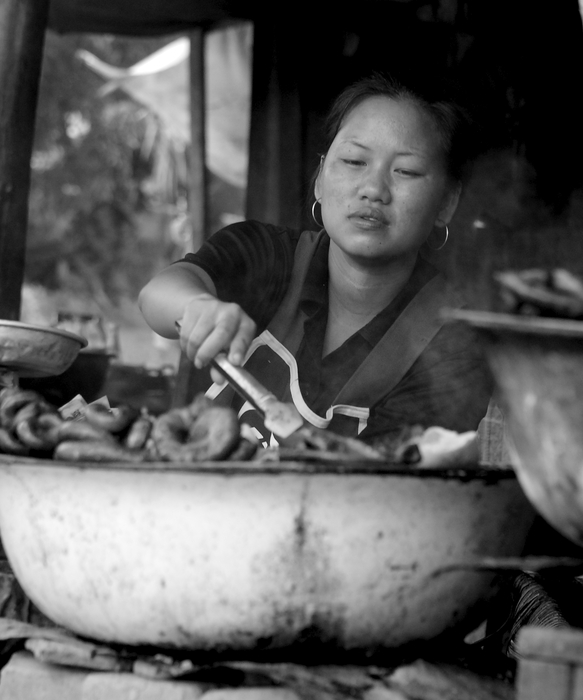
point(161, 83)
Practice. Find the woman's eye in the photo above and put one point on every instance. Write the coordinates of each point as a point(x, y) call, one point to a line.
point(350, 161)
point(408, 173)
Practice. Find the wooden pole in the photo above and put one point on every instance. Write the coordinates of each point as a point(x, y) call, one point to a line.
point(22, 31)
point(275, 185)
point(198, 185)
point(189, 380)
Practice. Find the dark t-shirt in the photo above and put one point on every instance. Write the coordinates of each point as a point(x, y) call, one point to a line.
point(448, 385)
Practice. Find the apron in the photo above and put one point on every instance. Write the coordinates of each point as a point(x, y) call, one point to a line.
point(271, 356)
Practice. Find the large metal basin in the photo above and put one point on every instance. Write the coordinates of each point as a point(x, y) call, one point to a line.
point(232, 557)
point(538, 367)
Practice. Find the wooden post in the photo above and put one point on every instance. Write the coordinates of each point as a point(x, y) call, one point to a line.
point(198, 185)
point(275, 186)
point(22, 31)
point(190, 380)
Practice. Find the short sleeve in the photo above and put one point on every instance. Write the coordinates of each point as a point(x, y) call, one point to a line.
point(250, 263)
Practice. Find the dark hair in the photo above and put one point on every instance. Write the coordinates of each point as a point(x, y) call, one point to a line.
point(449, 116)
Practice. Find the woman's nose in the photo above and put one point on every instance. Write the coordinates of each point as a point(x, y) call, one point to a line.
point(376, 185)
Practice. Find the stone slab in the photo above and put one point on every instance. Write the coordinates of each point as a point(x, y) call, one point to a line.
point(561, 644)
point(128, 686)
point(26, 678)
point(270, 693)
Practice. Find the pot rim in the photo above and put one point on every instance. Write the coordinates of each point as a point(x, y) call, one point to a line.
point(470, 472)
point(514, 323)
point(47, 330)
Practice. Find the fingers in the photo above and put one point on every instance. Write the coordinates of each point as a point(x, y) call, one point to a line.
point(217, 377)
point(210, 326)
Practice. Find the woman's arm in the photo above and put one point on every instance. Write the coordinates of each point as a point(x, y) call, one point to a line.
point(163, 300)
point(184, 292)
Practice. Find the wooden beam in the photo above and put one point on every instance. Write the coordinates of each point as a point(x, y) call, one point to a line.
point(22, 31)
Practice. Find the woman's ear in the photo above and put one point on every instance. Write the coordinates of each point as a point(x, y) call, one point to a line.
point(452, 199)
point(317, 180)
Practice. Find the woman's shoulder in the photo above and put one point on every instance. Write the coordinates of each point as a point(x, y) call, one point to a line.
point(253, 229)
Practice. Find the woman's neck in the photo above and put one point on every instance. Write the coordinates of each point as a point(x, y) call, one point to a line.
point(357, 293)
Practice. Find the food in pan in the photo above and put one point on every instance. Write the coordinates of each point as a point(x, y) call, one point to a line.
point(541, 292)
point(198, 432)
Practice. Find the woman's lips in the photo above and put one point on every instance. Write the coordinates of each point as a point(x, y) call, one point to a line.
point(369, 217)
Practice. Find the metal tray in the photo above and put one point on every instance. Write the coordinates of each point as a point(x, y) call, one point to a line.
point(37, 351)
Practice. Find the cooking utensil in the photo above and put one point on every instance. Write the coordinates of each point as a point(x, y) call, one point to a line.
point(220, 557)
point(283, 419)
point(537, 364)
point(37, 351)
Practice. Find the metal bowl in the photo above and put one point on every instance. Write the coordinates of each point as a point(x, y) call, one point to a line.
point(86, 376)
point(37, 351)
point(537, 364)
point(255, 558)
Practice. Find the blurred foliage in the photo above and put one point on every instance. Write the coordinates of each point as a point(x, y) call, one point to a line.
point(92, 167)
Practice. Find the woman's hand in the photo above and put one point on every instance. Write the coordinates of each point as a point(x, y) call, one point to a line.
point(206, 325)
point(209, 326)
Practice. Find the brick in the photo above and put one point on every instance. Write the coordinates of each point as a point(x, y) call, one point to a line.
point(380, 693)
point(262, 693)
point(25, 678)
point(128, 686)
point(543, 680)
point(577, 683)
point(551, 644)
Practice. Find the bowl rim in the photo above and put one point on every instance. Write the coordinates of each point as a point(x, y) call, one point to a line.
point(44, 329)
point(473, 472)
point(539, 325)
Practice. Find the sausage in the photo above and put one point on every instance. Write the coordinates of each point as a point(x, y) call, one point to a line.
point(215, 432)
point(12, 401)
point(81, 430)
point(49, 425)
point(169, 432)
point(244, 450)
point(139, 432)
point(198, 432)
point(171, 427)
point(113, 421)
point(10, 444)
point(39, 431)
point(95, 451)
point(33, 409)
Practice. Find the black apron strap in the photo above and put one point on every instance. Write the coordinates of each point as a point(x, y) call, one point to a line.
point(403, 342)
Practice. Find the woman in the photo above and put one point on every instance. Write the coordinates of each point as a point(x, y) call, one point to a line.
point(348, 316)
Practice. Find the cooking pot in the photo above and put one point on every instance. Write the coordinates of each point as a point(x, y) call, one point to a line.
point(256, 558)
point(537, 364)
point(86, 377)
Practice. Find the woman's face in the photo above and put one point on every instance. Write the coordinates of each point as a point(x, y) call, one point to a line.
point(383, 183)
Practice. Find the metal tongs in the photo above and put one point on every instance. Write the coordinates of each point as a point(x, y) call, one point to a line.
point(285, 421)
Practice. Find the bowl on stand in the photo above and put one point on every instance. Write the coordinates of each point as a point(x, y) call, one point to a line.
point(35, 351)
point(537, 364)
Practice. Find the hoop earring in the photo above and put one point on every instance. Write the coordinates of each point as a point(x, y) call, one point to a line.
point(439, 247)
point(318, 223)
